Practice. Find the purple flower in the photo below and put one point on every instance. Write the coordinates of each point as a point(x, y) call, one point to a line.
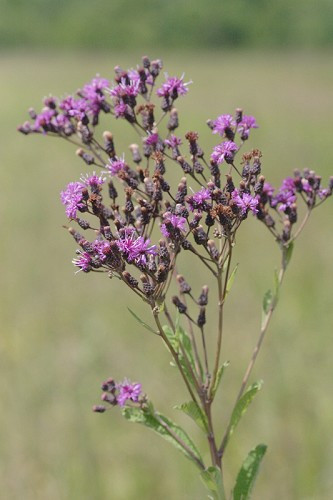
point(72, 197)
point(245, 202)
point(173, 225)
point(173, 141)
point(198, 199)
point(116, 165)
point(286, 195)
point(222, 123)
point(121, 110)
point(173, 87)
point(268, 189)
point(324, 193)
point(224, 151)
point(92, 180)
point(123, 89)
point(133, 75)
point(128, 391)
point(83, 262)
point(97, 84)
point(245, 125)
point(61, 121)
point(135, 249)
point(102, 248)
point(152, 139)
point(80, 108)
point(44, 119)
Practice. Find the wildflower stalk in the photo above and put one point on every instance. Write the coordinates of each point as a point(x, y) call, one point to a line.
point(209, 218)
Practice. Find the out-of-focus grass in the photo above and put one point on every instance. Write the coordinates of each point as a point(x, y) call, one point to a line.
point(62, 334)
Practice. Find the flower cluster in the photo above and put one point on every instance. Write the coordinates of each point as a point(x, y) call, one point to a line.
point(193, 217)
point(120, 394)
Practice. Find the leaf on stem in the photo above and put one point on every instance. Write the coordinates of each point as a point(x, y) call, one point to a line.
point(212, 479)
point(219, 377)
point(142, 323)
point(231, 280)
point(160, 424)
point(266, 305)
point(241, 407)
point(248, 473)
point(287, 254)
point(193, 410)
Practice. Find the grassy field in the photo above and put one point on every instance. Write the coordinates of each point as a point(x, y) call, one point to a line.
point(62, 334)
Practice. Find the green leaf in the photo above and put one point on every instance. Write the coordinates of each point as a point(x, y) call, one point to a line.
point(219, 377)
point(231, 280)
point(248, 473)
point(288, 251)
point(142, 322)
point(267, 301)
point(212, 479)
point(160, 424)
point(172, 338)
point(187, 345)
point(194, 411)
point(242, 406)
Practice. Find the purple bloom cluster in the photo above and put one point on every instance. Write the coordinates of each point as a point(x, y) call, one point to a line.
point(140, 195)
point(120, 394)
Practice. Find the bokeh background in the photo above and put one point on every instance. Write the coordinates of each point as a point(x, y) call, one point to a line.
point(62, 334)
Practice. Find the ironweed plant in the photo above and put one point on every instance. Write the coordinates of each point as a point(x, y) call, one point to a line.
point(139, 227)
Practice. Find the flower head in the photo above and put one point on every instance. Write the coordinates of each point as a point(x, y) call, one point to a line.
point(83, 262)
point(198, 199)
point(245, 202)
point(245, 126)
point(222, 123)
point(224, 151)
point(128, 391)
point(72, 197)
point(173, 87)
point(135, 249)
point(102, 248)
point(116, 165)
point(92, 180)
point(173, 225)
point(173, 141)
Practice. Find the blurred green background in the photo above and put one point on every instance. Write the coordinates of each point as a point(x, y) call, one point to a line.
point(62, 334)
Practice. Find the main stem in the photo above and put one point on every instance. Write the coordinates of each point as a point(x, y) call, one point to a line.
point(256, 350)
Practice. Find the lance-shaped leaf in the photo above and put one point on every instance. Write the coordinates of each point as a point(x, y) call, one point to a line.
point(266, 305)
point(231, 280)
point(212, 479)
point(241, 407)
point(171, 336)
point(186, 343)
point(248, 473)
point(142, 322)
point(193, 410)
point(288, 252)
point(165, 428)
point(219, 377)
